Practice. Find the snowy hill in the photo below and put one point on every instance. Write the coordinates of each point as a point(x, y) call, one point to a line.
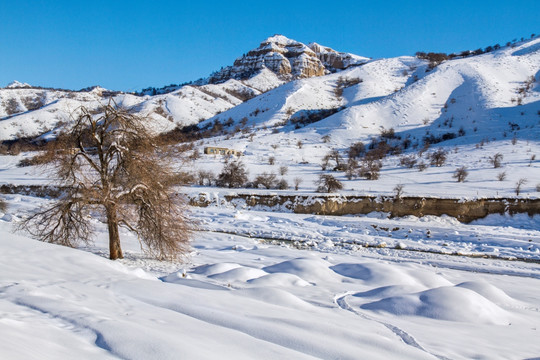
point(28, 111)
point(295, 103)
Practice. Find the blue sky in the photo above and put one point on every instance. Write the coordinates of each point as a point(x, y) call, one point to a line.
point(128, 45)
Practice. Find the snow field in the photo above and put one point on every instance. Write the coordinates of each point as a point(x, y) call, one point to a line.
point(238, 296)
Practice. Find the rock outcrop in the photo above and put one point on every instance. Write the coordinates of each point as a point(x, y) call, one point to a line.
point(289, 59)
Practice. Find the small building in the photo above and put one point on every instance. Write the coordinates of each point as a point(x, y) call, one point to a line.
point(221, 151)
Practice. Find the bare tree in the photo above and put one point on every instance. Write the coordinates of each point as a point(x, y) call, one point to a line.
point(266, 180)
point(108, 163)
point(460, 174)
point(370, 169)
point(233, 174)
point(328, 183)
point(438, 157)
point(205, 176)
point(398, 191)
point(356, 150)
point(519, 184)
point(333, 155)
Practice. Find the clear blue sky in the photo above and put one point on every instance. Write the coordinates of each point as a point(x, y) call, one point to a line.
point(128, 45)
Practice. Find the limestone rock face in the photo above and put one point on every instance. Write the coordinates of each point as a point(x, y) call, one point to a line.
point(289, 59)
point(334, 60)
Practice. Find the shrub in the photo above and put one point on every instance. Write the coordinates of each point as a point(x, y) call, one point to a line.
point(333, 155)
point(438, 157)
point(271, 160)
point(422, 166)
point(352, 166)
point(282, 184)
point(370, 169)
point(206, 176)
point(266, 180)
point(328, 183)
point(398, 191)
point(3, 205)
point(495, 160)
point(356, 150)
point(408, 161)
point(519, 184)
point(460, 174)
point(299, 143)
point(326, 139)
point(297, 182)
point(233, 174)
point(283, 170)
point(388, 133)
point(501, 176)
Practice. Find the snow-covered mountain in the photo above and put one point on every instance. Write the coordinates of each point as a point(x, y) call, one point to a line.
point(30, 111)
point(283, 83)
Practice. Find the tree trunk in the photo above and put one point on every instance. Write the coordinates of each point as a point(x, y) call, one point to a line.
point(115, 250)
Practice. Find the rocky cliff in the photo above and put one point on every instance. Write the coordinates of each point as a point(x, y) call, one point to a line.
point(289, 59)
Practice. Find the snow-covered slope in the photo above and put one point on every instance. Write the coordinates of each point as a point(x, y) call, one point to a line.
point(28, 111)
point(237, 297)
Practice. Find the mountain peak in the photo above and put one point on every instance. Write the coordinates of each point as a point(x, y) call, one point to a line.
point(287, 58)
point(279, 39)
point(17, 85)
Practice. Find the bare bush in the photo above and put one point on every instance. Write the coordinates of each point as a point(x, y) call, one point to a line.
point(297, 181)
point(408, 161)
point(356, 150)
point(438, 157)
point(333, 156)
point(3, 206)
point(282, 184)
point(283, 170)
point(370, 169)
point(271, 160)
point(495, 160)
point(206, 177)
point(112, 166)
point(266, 180)
point(461, 174)
point(519, 184)
point(398, 191)
point(328, 183)
point(501, 176)
point(233, 174)
point(352, 168)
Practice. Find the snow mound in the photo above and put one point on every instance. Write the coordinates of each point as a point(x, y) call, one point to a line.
point(279, 280)
point(276, 297)
point(453, 303)
point(309, 269)
point(378, 273)
point(489, 291)
point(211, 269)
point(178, 278)
point(240, 274)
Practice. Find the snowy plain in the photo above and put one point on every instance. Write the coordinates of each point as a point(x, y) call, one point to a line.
point(244, 296)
